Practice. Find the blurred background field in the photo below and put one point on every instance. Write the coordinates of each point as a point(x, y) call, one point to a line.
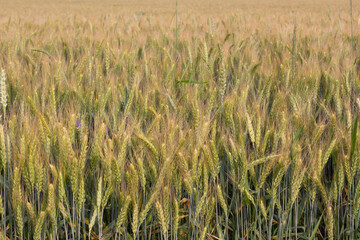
point(92, 7)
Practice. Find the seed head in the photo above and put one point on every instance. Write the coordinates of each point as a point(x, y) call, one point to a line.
point(3, 93)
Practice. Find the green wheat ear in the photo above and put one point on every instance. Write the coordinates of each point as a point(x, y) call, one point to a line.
point(39, 225)
point(122, 218)
point(3, 92)
point(51, 208)
point(135, 219)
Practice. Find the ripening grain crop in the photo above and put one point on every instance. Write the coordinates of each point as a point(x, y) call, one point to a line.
point(206, 120)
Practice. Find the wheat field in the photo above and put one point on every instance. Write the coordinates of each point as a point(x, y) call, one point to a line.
point(197, 120)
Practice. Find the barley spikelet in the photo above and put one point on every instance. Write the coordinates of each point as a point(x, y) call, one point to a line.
point(39, 181)
point(294, 52)
point(3, 93)
point(348, 118)
point(31, 213)
point(135, 220)
point(83, 152)
point(328, 153)
point(54, 173)
point(263, 208)
point(92, 220)
point(107, 194)
point(341, 178)
point(211, 104)
point(16, 195)
point(250, 128)
point(31, 169)
point(3, 148)
point(259, 161)
point(222, 78)
point(355, 163)
point(19, 220)
point(149, 203)
point(61, 189)
point(322, 190)
point(205, 53)
point(318, 133)
point(338, 104)
point(53, 102)
point(122, 215)
point(200, 205)
point(265, 173)
point(295, 188)
point(129, 103)
point(197, 125)
point(188, 183)
point(67, 150)
point(90, 64)
point(149, 145)
point(161, 217)
point(215, 157)
point(277, 180)
point(347, 166)
point(334, 191)
point(74, 179)
point(258, 135)
point(39, 225)
point(205, 179)
point(196, 166)
point(133, 180)
point(2, 211)
point(44, 124)
point(312, 192)
point(166, 205)
point(221, 198)
point(330, 223)
point(189, 55)
point(166, 166)
point(220, 51)
point(131, 72)
point(116, 171)
point(80, 194)
point(209, 161)
point(357, 200)
point(122, 154)
point(208, 218)
point(141, 172)
point(228, 112)
point(107, 59)
point(176, 217)
point(51, 207)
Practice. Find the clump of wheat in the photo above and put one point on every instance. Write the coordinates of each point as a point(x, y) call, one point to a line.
point(201, 134)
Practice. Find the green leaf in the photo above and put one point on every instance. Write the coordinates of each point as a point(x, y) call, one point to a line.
point(253, 69)
point(297, 136)
point(41, 51)
point(316, 228)
point(182, 76)
point(191, 82)
point(227, 37)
